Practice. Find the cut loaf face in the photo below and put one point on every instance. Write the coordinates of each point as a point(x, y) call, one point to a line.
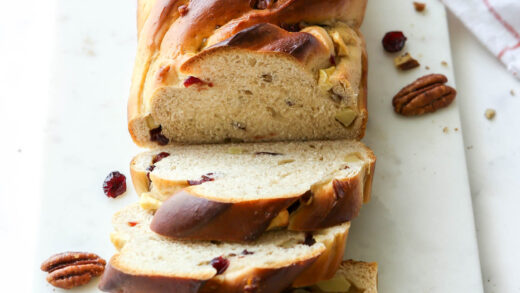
point(204, 67)
point(235, 192)
point(147, 262)
point(351, 277)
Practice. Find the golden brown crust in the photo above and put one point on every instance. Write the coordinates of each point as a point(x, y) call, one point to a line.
point(367, 191)
point(115, 280)
point(337, 202)
point(266, 37)
point(363, 87)
point(188, 216)
point(327, 263)
point(260, 280)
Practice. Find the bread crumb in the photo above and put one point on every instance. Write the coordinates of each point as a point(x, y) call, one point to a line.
point(444, 63)
point(490, 114)
point(427, 67)
point(512, 92)
point(456, 129)
point(445, 129)
point(406, 62)
point(419, 6)
point(469, 147)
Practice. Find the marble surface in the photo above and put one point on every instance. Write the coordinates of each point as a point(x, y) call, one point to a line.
point(62, 43)
point(493, 156)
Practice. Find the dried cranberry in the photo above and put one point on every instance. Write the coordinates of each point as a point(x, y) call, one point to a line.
point(394, 41)
point(157, 136)
point(115, 184)
point(220, 264)
point(309, 239)
point(132, 224)
point(332, 60)
point(192, 80)
point(291, 27)
point(195, 80)
point(150, 168)
point(204, 178)
point(247, 252)
point(159, 157)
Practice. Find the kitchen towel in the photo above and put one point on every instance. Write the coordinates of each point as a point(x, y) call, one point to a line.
point(496, 23)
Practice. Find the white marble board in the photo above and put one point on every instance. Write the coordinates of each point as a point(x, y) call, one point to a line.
point(419, 225)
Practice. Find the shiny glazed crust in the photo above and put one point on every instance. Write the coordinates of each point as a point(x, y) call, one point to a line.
point(188, 215)
point(175, 35)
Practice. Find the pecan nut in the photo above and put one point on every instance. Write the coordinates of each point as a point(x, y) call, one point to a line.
point(72, 269)
point(425, 95)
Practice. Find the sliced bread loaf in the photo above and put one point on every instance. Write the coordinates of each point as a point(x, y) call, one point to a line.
point(220, 70)
point(148, 262)
point(351, 277)
point(235, 192)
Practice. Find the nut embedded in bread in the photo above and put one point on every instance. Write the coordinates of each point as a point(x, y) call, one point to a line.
point(235, 192)
point(203, 67)
point(147, 262)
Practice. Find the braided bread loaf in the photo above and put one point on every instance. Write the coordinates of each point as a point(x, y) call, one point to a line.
point(259, 70)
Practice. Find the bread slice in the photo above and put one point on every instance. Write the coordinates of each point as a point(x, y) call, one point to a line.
point(203, 67)
point(148, 262)
point(351, 277)
point(235, 192)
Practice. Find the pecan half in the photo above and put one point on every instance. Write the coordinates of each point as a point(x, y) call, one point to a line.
point(425, 95)
point(72, 269)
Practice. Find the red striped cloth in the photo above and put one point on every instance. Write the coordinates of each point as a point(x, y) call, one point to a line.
point(496, 23)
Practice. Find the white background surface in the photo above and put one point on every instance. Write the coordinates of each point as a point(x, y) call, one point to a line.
point(27, 42)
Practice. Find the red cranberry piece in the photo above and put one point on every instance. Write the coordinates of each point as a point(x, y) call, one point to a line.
point(247, 252)
point(157, 136)
point(159, 157)
point(192, 80)
point(204, 178)
point(195, 80)
point(115, 184)
point(394, 41)
point(309, 239)
point(332, 60)
point(220, 264)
